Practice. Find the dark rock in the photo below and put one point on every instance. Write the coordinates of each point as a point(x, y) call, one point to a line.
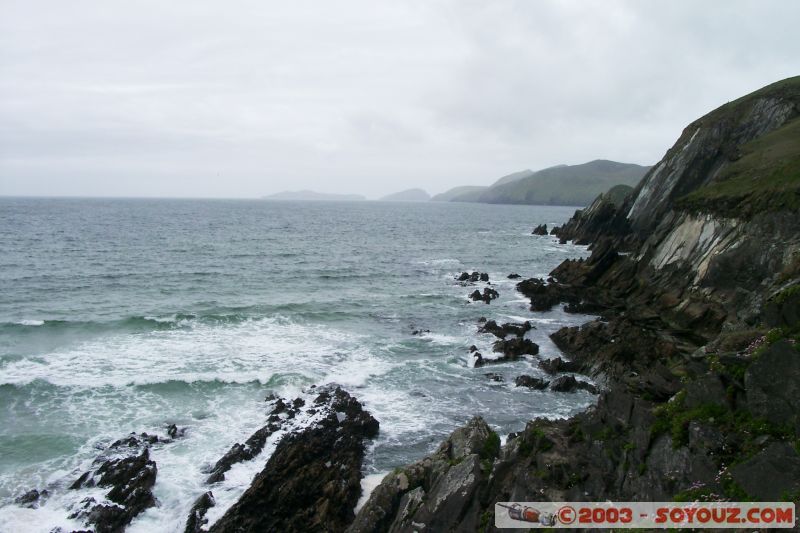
point(570, 384)
point(127, 470)
point(491, 327)
point(31, 498)
point(540, 230)
point(531, 382)
point(247, 451)
point(479, 360)
point(771, 474)
point(515, 347)
point(271, 397)
point(474, 277)
point(494, 377)
point(420, 331)
point(312, 480)
point(487, 296)
point(197, 519)
point(463, 277)
point(514, 276)
point(298, 403)
point(436, 493)
point(175, 432)
point(279, 407)
point(484, 276)
point(555, 230)
point(557, 365)
point(772, 385)
point(473, 348)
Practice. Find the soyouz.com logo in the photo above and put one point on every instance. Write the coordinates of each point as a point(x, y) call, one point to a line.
point(655, 515)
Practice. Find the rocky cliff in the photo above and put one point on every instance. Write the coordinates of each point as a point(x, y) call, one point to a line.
point(696, 276)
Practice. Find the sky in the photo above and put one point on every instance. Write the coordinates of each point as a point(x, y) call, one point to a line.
point(193, 98)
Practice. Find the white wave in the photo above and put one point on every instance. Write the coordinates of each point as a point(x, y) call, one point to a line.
point(31, 322)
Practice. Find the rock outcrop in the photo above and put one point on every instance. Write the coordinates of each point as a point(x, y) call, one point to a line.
point(695, 276)
point(312, 480)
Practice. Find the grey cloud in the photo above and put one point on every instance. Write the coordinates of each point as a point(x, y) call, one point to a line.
point(240, 98)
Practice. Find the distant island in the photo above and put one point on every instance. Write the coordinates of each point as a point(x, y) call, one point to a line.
point(313, 196)
point(410, 195)
point(574, 185)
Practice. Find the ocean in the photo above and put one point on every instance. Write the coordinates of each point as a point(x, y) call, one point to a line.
point(127, 315)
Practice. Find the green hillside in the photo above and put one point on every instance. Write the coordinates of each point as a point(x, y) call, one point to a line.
point(576, 185)
point(766, 177)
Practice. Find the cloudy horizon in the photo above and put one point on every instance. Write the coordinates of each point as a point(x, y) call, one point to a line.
point(246, 99)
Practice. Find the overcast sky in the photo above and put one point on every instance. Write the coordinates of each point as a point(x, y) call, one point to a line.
point(242, 99)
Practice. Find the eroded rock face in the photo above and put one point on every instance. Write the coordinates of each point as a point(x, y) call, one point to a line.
point(312, 480)
point(772, 384)
point(437, 493)
point(540, 230)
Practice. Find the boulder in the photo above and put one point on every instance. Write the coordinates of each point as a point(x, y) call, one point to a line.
point(557, 365)
point(31, 498)
point(514, 275)
point(531, 382)
point(770, 475)
point(516, 347)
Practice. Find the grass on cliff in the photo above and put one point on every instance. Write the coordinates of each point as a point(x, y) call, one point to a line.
point(765, 178)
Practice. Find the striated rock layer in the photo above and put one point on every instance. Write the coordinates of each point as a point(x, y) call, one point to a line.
point(696, 276)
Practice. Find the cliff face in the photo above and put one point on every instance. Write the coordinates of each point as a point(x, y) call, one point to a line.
point(696, 276)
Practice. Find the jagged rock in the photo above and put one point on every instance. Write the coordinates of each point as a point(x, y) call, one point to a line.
point(473, 348)
point(514, 275)
point(197, 519)
point(479, 360)
point(175, 432)
point(557, 364)
point(312, 480)
point(247, 451)
point(463, 277)
point(31, 498)
point(487, 296)
point(570, 384)
point(490, 326)
point(531, 382)
point(127, 470)
point(555, 230)
point(436, 493)
point(540, 230)
point(514, 348)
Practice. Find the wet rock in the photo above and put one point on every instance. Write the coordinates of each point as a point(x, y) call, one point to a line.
point(514, 275)
point(127, 470)
point(487, 296)
point(197, 519)
point(555, 230)
point(484, 277)
point(463, 277)
point(420, 331)
point(479, 360)
point(31, 498)
point(540, 230)
point(473, 348)
point(244, 452)
point(514, 348)
point(494, 377)
point(491, 327)
point(557, 365)
point(175, 432)
point(531, 382)
point(312, 480)
point(570, 384)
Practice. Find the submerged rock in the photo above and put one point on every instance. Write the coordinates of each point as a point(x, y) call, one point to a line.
point(31, 498)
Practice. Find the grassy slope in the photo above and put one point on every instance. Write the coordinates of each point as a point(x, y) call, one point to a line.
point(568, 185)
point(457, 192)
point(765, 178)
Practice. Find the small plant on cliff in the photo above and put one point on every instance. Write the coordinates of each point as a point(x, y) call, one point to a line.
point(491, 448)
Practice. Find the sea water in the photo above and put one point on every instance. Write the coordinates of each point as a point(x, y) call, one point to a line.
point(126, 315)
